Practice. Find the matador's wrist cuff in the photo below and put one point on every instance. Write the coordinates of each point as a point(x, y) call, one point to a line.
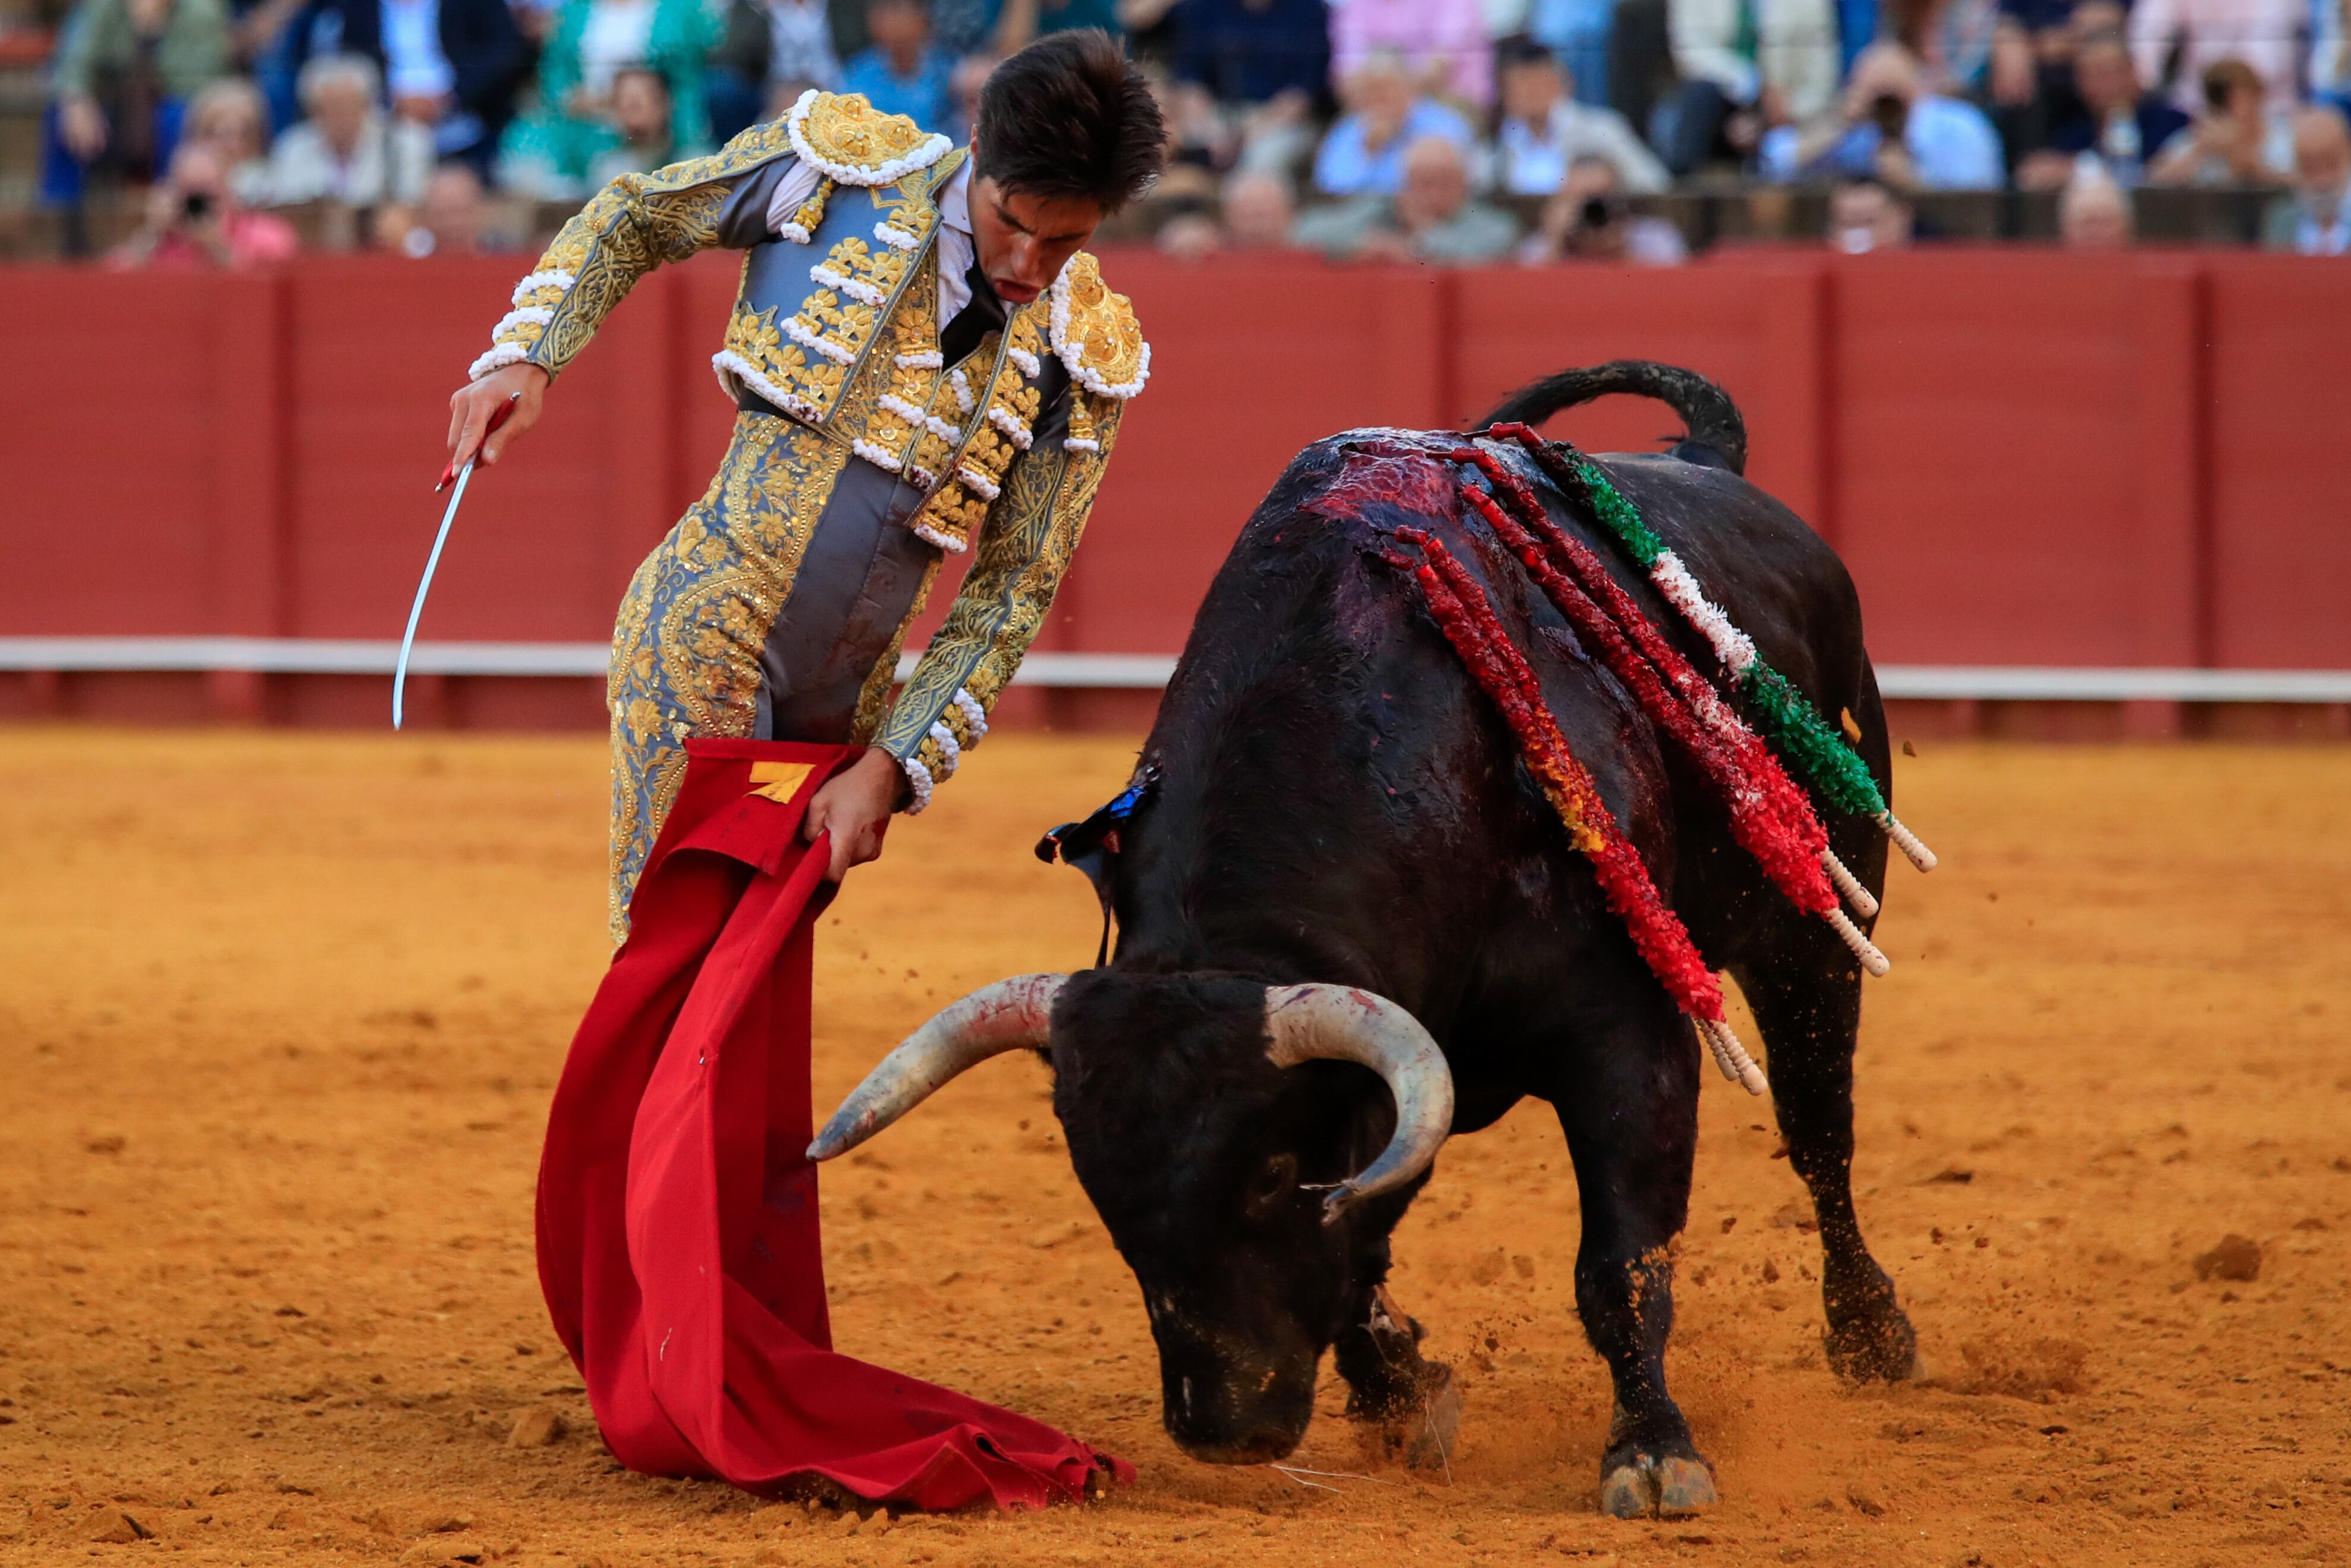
point(929, 755)
point(518, 332)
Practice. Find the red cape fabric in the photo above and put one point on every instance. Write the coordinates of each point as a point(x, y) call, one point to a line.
point(677, 1210)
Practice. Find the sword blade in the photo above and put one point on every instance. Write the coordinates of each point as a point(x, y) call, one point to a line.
point(423, 587)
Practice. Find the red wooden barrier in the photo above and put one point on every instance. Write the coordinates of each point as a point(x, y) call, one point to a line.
point(2026, 457)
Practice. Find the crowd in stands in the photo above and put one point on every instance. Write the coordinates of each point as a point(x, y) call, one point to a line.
point(1439, 130)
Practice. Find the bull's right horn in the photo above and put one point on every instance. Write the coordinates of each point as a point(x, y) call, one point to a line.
point(1306, 1023)
point(1009, 1015)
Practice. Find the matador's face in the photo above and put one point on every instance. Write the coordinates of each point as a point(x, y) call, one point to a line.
point(1023, 239)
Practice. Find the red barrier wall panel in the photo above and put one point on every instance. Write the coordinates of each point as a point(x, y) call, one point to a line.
point(1988, 480)
point(379, 349)
point(1516, 324)
point(2281, 417)
point(110, 441)
point(1253, 358)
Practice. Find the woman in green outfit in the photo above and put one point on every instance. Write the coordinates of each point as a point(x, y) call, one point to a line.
point(548, 152)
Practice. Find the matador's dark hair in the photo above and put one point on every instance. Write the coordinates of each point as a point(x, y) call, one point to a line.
point(1069, 117)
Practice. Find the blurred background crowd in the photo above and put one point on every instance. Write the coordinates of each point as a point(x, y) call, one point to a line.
point(229, 132)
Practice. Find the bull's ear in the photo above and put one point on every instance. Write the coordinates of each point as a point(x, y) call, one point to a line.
point(1093, 844)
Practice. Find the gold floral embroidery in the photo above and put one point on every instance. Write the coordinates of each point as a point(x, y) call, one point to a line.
point(686, 653)
point(842, 128)
point(797, 381)
point(1096, 333)
point(1020, 564)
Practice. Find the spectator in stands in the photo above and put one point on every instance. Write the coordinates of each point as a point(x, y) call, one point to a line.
point(230, 120)
point(2316, 219)
point(345, 149)
point(545, 153)
point(901, 71)
point(1868, 214)
point(2115, 124)
point(1579, 33)
point(453, 218)
point(1255, 213)
point(1432, 218)
point(2330, 52)
point(1249, 51)
point(124, 73)
point(1363, 154)
point(1893, 128)
point(2017, 96)
point(970, 75)
point(195, 221)
point(2263, 34)
point(1544, 131)
point(1587, 220)
point(451, 66)
point(1442, 43)
point(2234, 140)
point(1746, 66)
point(766, 49)
point(641, 125)
point(1200, 143)
point(2094, 211)
point(1260, 210)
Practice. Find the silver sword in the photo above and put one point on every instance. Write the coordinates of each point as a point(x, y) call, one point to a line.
point(432, 561)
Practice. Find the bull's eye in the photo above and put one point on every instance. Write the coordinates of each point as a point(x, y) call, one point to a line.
point(1276, 1182)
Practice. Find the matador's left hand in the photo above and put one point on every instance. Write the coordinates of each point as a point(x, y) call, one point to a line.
point(854, 806)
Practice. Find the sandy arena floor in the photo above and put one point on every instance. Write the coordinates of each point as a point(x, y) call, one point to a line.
point(279, 1016)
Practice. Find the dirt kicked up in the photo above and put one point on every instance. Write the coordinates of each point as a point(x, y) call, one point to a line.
point(280, 1014)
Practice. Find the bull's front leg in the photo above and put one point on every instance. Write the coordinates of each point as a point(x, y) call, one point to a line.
point(1631, 1119)
point(1410, 1406)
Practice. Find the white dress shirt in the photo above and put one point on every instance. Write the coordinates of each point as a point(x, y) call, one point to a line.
point(956, 247)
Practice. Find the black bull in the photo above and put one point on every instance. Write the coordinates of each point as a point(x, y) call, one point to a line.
point(1333, 799)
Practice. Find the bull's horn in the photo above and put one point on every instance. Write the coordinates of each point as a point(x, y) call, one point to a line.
point(1007, 1015)
point(1339, 1023)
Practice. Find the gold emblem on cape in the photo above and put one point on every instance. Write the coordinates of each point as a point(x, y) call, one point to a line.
point(1101, 328)
point(780, 780)
point(842, 128)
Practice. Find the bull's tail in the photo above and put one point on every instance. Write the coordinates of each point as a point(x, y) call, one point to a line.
point(1713, 419)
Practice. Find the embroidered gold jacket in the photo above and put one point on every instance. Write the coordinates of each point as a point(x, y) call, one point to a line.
point(836, 327)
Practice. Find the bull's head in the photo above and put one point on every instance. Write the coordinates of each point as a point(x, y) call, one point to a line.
point(1227, 1178)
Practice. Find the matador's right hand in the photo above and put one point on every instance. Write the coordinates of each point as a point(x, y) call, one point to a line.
point(470, 408)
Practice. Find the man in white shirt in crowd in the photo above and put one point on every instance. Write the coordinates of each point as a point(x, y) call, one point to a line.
point(1544, 130)
point(2315, 220)
point(1892, 129)
point(345, 149)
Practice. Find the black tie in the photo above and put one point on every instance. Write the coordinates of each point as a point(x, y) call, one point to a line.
point(981, 315)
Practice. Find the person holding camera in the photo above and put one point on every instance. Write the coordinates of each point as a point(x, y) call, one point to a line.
point(195, 221)
point(1894, 130)
point(1586, 219)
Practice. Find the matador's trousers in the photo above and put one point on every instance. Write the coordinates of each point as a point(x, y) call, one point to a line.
point(773, 611)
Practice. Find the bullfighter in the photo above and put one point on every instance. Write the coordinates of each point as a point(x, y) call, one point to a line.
point(924, 360)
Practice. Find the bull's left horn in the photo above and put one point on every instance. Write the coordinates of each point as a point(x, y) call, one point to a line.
point(1009, 1015)
point(1340, 1023)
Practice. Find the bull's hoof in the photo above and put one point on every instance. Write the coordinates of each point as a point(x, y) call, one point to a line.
point(1421, 1429)
point(1869, 1338)
point(1657, 1489)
